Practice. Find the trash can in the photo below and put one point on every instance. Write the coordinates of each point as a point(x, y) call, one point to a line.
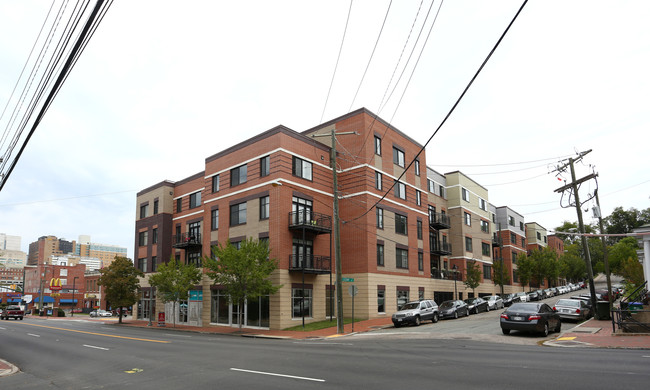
point(634, 306)
point(602, 310)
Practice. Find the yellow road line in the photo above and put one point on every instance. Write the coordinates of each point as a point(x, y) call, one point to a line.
point(565, 338)
point(99, 334)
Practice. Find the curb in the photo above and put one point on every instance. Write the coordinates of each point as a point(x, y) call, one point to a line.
point(7, 368)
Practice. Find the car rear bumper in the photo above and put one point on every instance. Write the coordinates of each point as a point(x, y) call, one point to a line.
point(524, 326)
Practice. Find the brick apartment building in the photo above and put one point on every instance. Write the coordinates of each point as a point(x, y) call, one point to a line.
point(396, 224)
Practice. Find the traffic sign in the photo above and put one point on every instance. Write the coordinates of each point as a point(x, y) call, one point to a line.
point(353, 290)
point(347, 279)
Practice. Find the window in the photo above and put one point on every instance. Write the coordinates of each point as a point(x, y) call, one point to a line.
point(521, 226)
point(400, 190)
point(195, 199)
point(485, 249)
point(432, 214)
point(143, 238)
point(419, 229)
point(377, 145)
point(513, 238)
point(265, 166)
point(431, 186)
point(215, 183)
point(381, 300)
point(465, 195)
point(401, 258)
point(264, 207)
point(468, 244)
point(398, 157)
point(378, 180)
point(418, 198)
point(442, 191)
point(402, 297)
point(485, 226)
point(155, 207)
point(380, 255)
point(511, 220)
point(194, 258)
point(482, 204)
point(401, 222)
point(214, 219)
point(487, 271)
point(238, 214)
point(416, 164)
point(154, 236)
point(514, 257)
point(468, 219)
point(380, 218)
point(421, 297)
point(142, 264)
point(545, 239)
point(420, 261)
point(539, 236)
point(179, 203)
point(143, 210)
point(301, 302)
point(302, 168)
point(154, 262)
point(515, 277)
point(238, 175)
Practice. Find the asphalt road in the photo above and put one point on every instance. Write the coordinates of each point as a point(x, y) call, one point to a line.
point(77, 354)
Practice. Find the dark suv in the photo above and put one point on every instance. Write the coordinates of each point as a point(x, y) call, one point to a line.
point(415, 312)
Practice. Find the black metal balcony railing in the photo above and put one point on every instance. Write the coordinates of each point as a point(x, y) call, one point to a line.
point(186, 240)
point(439, 221)
point(312, 264)
point(496, 240)
point(311, 221)
point(440, 248)
point(446, 274)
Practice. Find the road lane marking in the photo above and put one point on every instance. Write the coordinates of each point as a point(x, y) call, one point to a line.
point(33, 335)
point(99, 334)
point(134, 370)
point(281, 375)
point(565, 338)
point(92, 346)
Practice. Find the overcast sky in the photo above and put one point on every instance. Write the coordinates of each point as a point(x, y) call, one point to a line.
point(164, 84)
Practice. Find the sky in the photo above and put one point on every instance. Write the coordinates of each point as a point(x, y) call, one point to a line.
point(164, 84)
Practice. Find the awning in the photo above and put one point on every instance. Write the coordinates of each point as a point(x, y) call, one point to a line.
point(67, 301)
point(14, 300)
point(46, 299)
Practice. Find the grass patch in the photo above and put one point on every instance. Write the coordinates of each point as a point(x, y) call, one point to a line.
point(320, 325)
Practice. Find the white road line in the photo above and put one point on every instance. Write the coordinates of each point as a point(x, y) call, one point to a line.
point(646, 356)
point(319, 343)
point(34, 335)
point(92, 346)
point(282, 375)
point(1, 328)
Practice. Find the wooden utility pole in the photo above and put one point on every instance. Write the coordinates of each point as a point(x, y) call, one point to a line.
point(605, 259)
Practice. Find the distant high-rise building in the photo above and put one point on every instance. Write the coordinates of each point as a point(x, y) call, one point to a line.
point(48, 246)
point(104, 252)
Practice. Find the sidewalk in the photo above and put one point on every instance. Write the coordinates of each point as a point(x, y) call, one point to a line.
point(599, 334)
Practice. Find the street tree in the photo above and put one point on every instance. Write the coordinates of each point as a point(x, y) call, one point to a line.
point(243, 273)
point(572, 266)
point(500, 274)
point(624, 221)
point(622, 250)
point(474, 275)
point(525, 270)
point(174, 280)
point(120, 283)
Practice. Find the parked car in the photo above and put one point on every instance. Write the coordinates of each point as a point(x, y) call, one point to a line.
point(572, 309)
point(533, 296)
point(541, 294)
point(13, 311)
point(537, 317)
point(477, 305)
point(494, 302)
point(549, 292)
point(523, 297)
point(509, 299)
point(100, 313)
point(415, 312)
point(453, 309)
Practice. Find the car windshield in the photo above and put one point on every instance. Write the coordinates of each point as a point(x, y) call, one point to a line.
point(524, 307)
point(568, 302)
point(13, 307)
point(411, 306)
point(447, 305)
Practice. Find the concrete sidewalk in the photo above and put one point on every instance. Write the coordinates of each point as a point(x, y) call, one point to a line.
point(595, 333)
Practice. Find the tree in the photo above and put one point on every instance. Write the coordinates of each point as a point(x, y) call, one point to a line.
point(545, 265)
point(243, 273)
point(500, 274)
point(474, 275)
point(622, 250)
point(121, 284)
point(525, 269)
point(632, 271)
point(174, 280)
point(572, 267)
point(621, 221)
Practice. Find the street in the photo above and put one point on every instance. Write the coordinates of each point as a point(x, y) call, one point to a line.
point(76, 354)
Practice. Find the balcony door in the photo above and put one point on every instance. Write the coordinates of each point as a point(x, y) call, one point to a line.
point(302, 210)
point(302, 253)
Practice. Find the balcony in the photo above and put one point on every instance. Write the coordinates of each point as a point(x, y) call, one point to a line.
point(439, 221)
point(440, 248)
point(309, 221)
point(496, 240)
point(187, 240)
point(446, 274)
point(312, 265)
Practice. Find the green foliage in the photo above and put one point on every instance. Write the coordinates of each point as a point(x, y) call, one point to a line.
point(500, 274)
point(632, 271)
point(624, 249)
point(474, 275)
point(174, 280)
point(525, 269)
point(621, 221)
point(544, 265)
point(572, 267)
point(120, 283)
point(243, 273)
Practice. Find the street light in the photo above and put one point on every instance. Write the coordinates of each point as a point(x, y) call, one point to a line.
point(74, 281)
point(455, 268)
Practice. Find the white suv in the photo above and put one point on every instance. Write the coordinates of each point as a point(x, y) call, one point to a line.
point(415, 312)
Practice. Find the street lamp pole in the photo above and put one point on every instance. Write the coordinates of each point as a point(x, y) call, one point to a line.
point(74, 281)
point(455, 268)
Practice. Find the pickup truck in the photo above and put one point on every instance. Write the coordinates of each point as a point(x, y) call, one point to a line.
point(14, 312)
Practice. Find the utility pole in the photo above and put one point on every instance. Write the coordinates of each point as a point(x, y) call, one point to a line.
point(605, 259)
point(581, 227)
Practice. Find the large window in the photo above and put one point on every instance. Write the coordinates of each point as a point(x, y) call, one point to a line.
point(265, 166)
point(419, 229)
point(215, 183)
point(420, 261)
point(514, 257)
point(377, 145)
point(154, 236)
point(431, 186)
point(485, 226)
point(398, 157)
point(468, 219)
point(143, 238)
point(487, 271)
point(511, 220)
point(468, 244)
point(380, 218)
point(194, 258)
point(264, 207)
point(380, 255)
point(301, 302)
point(214, 219)
point(143, 210)
point(378, 177)
point(302, 168)
point(142, 264)
point(401, 223)
point(401, 258)
point(179, 204)
point(238, 214)
point(418, 198)
point(400, 190)
point(482, 204)
point(195, 199)
point(381, 300)
point(402, 297)
point(465, 195)
point(416, 164)
point(485, 249)
point(155, 207)
point(238, 175)
point(513, 239)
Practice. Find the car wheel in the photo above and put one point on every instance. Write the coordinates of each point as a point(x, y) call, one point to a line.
point(467, 313)
point(487, 308)
point(505, 331)
point(435, 318)
point(417, 320)
point(558, 328)
point(397, 325)
point(545, 331)
point(456, 314)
